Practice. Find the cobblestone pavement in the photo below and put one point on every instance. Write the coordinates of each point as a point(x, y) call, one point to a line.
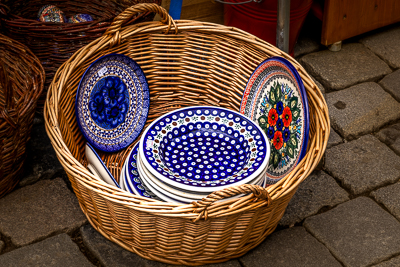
point(347, 214)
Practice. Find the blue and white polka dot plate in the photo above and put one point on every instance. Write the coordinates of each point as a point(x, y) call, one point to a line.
point(112, 102)
point(204, 149)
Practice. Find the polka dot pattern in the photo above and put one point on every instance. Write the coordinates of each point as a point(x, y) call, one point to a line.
point(204, 147)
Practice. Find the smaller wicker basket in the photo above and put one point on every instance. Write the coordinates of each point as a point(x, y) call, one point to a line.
point(54, 43)
point(21, 83)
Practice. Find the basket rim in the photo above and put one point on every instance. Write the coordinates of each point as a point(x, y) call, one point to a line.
point(195, 210)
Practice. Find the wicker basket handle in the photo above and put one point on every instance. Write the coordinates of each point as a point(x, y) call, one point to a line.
point(203, 205)
point(116, 25)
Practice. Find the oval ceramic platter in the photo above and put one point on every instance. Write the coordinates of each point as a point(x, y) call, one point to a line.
point(275, 98)
point(112, 102)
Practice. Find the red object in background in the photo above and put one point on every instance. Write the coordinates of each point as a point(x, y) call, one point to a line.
point(260, 19)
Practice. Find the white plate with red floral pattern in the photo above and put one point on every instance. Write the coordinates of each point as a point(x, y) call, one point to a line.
point(275, 98)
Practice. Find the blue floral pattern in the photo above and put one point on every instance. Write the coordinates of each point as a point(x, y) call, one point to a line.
point(109, 102)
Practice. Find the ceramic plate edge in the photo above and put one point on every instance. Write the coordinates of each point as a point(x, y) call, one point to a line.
point(121, 177)
point(158, 183)
point(111, 181)
point(159, 194)
point(159, 189)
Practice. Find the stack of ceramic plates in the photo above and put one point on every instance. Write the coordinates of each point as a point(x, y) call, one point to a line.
point(186, 154)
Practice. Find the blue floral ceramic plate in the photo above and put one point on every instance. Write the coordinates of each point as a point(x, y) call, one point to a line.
point(112, 102)
point(203, 149)
point(275, 98)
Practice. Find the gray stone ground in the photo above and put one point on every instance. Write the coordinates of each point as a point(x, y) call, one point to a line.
point(347, 214)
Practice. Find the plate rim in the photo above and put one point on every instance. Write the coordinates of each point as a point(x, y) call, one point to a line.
point(304, 101)
point(148, 173)
point(121, 177)
point(263, 165)
point(143, 113)
point(128, 186)
point(162, 197)
point(128, 175)
point(162, 190)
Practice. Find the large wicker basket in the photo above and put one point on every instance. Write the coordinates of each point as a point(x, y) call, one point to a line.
point(21, 83)
point(186, 63)
point(54, 43)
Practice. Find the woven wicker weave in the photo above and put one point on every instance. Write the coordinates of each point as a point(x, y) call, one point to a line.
point(21, 83)
point(186, 63)
point(54, 43)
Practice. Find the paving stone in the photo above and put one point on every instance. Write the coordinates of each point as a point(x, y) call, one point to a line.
point(389, 197)
point(289, 247)
point(357, 232)
point(386, 45)
point(395, 262)
point(306, 45)
point(41, 161)
point(34, 212)
point(317, 191)
point(334, 139)
point(391, 83)
point(354, 63)
point(391, 137)
point(110, 254)
point(361, 109)
point(55, 251)
point(363, 164)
